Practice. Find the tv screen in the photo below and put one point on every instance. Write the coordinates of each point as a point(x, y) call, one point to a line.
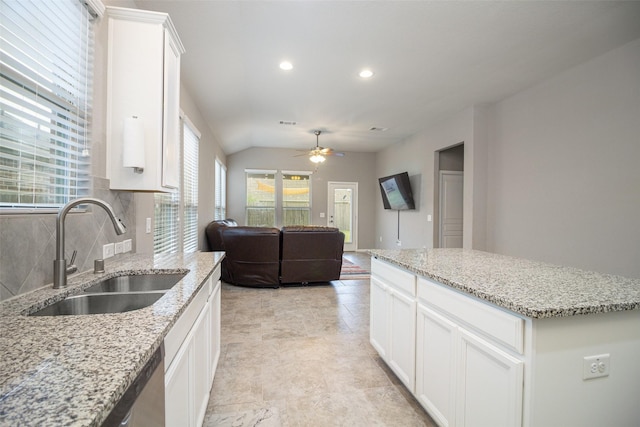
point(396, 192)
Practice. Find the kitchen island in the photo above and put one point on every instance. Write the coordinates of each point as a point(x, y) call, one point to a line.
point(72, 370)
point(486, 339)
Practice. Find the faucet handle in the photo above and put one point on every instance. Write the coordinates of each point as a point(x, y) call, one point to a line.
point(72, 268)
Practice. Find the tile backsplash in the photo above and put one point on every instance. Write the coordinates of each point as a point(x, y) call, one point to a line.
point(28, 242)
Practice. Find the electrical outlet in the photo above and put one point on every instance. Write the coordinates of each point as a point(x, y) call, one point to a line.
point(596, 366)
point(108, 250)
point(128, 245)
point(380, 239)
point(147, 227)
point(119, 247)
point(398, 242)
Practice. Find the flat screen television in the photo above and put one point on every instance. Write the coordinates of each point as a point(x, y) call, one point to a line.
point(396, 192)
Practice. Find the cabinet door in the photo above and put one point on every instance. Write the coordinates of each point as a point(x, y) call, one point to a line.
point(171, 114)
point(178, 409)
point(379, 320)
point(402, 337)
point(435, 365)
point(200, 369)
point(489, 385)
point(214, 302)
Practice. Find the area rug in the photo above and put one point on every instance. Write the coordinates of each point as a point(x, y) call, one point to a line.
point(351, 271)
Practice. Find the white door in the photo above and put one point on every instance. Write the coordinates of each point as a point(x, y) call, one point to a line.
point(342, 211)
point(451, 208)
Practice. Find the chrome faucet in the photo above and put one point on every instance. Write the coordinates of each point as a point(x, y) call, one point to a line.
point(60, 269)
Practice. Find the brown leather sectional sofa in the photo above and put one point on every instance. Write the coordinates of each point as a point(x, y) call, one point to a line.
point(269, 257)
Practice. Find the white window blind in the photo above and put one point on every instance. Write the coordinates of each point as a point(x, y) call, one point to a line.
point(220, 209)
point(191, 142)
point(46, 65)
point(166, 223)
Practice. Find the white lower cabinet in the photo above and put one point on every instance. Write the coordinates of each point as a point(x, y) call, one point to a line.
point(489, 386)
point(393, 328)
point(461, 358)
point(435, 365)
point(192, 350)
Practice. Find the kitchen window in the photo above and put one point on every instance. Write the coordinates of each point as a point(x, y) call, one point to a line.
point(46, 66)
point(173, 209)
point(220, 209)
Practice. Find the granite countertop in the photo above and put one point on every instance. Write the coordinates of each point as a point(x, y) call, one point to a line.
point(534, 289)
point(72, 370)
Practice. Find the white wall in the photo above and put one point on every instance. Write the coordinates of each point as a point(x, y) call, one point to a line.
point(416, 155)
point(353, 167)
point(563, 168)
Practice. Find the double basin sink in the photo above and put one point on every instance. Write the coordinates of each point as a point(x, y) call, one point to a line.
point(115, 295)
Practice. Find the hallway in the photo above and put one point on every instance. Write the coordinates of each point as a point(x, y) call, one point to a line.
point(300, 356)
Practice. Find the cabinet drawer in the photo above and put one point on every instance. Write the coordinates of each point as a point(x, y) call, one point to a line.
point(394, 276)
point(505, 328)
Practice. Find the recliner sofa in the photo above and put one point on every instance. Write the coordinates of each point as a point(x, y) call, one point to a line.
point(268, 257)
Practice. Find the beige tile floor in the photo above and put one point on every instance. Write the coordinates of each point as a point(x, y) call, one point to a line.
point(300, 356)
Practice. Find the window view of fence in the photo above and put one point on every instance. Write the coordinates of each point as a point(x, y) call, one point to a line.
point(343, 205)
point(296, 199)
point(261, 199)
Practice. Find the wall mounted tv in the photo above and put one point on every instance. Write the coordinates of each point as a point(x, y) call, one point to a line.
point(396, 192)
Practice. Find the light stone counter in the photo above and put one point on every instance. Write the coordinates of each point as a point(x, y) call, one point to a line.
point(72, 370)
point(534, 289)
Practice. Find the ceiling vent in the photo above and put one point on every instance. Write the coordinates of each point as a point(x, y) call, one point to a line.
point(288, 122)
point(377, 129)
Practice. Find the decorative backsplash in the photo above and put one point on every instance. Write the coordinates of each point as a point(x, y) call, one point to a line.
point(27, 242)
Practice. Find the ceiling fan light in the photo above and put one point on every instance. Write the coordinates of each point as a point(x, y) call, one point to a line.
point(286, 65)
point(317, 158)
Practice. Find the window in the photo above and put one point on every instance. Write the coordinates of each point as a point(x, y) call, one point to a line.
point(296, 198)
point(191, 142)
point(46, 66)
point(171, 209)
point(261, 198)
point(220, 209)
point(166, 221)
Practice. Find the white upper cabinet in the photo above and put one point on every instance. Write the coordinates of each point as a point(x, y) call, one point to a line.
point(143, 81)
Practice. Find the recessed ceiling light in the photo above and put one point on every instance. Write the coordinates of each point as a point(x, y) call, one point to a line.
point(286, 65)
point(365, 74)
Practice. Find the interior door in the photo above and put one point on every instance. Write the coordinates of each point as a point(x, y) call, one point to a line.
point(342, 211)
point(451, 209)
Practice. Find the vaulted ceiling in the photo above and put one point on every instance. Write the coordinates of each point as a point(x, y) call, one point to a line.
point(430, 59)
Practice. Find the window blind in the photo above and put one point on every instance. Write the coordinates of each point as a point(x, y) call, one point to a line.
point(191, 142)
point(46, 63)
point(166, 222)
point(220, 209)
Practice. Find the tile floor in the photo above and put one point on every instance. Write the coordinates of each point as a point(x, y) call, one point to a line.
point(300, 356)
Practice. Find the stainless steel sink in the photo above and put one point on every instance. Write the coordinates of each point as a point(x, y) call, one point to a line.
point(137, 283)
point(100, 303)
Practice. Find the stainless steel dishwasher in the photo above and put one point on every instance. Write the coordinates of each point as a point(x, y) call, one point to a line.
point(143, 403)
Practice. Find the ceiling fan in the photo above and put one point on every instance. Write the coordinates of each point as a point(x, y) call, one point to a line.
point(319, 154)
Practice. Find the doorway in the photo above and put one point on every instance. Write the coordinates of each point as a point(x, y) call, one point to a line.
point(449, 196)
point(342, 211)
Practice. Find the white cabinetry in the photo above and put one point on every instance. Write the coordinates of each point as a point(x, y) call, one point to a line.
point(463, 359)
point(192, 349)
point(393, 328)
point(143, 80)
point(469, 361)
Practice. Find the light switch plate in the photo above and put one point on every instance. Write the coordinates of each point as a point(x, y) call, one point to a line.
point(108, 250)
point(128, 244)
point(119, 247)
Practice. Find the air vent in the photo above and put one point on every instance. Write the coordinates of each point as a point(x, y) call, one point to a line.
point(288, 122)
point(377, 129)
